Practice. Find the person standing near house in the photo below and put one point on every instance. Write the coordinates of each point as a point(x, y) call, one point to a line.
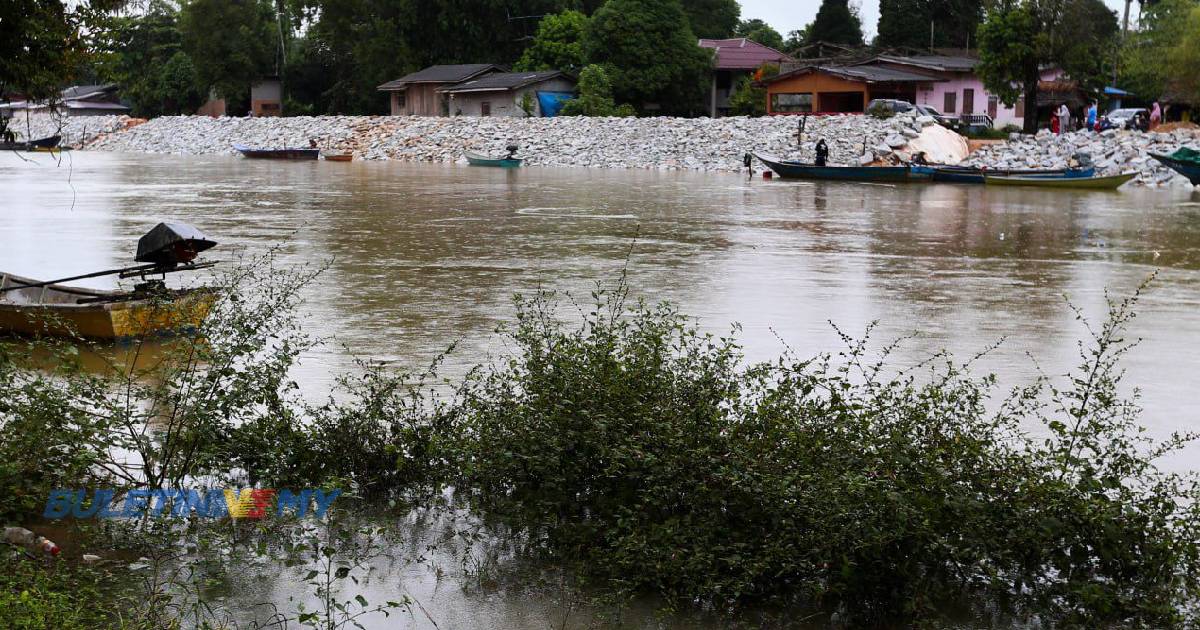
point(1091, 116)
point(1064, 119)
point(1155, 115)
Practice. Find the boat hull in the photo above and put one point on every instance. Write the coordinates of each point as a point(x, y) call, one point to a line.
point(41, 144)
point(474, 159)
point(960, 175)
point(800, 170)
point(277, 154)
point(1111, 182)
point(57, 313)
point(1190, 171)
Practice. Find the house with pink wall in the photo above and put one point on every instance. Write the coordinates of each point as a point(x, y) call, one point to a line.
point(960, 91)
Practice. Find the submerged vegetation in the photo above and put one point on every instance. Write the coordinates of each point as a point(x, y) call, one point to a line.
point(639, 456)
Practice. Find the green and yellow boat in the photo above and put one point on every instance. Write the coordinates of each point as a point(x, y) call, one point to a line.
point(1109, 182)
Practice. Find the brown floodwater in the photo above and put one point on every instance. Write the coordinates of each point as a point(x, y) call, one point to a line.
point(421, 256)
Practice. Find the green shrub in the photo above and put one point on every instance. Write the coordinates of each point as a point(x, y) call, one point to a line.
point(642, 453)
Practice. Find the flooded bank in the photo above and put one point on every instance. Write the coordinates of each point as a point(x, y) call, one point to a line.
point(420, 257)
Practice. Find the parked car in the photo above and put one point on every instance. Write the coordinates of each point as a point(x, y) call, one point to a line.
point(897, 106)
point(1122, 118)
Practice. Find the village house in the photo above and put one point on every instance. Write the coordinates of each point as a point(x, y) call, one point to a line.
point(77, 100)
point(418, 94)
point(734, 59)
point(510, 94)
point(947, 83)
point(840, 89)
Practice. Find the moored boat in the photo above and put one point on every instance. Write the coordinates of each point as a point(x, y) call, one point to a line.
point(476, 159)
point(1189, 168)
point(278, 154)
point(41, 144)
point(975, 175)
point(63, 311)
point(1110, 182)
point(338, 157)
point(788, 169)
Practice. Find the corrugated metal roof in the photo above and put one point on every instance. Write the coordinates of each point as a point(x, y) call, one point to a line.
point(455, 73)
point(742, 54)
point(500, 81)
point(864, 73)
point(942, 63)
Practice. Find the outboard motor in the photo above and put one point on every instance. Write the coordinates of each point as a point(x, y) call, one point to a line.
point(1082, 160)
point(169, 245)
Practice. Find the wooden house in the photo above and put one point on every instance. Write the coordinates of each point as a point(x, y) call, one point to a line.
point(418, 94)
point(507, 94)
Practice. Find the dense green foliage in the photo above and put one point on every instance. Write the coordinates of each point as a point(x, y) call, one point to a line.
point(650, 53)
point(712, 19)
point(759, 31)
point(558, 44)
point(1016, 41)
point(1155, 58)
point(144, 55)
point(595, 96)
point(748, 100)
point(33, 596)
point(906, 23)
point(836, 24)
point(231, 43)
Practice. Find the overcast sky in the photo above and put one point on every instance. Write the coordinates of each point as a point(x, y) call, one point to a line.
point(792, 15)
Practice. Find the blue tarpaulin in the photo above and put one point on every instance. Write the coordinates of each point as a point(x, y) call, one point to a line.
point(551, 102)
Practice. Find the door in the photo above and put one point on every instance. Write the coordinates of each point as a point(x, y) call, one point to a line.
point(993, 106)
point(948, 105)
point(968, 101)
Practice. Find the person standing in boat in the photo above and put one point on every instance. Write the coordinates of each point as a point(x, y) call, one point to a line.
point(822, 152)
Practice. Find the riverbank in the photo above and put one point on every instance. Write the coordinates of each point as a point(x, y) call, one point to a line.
point(702, 144)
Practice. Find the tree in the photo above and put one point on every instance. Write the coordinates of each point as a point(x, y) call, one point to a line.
point(178, 85)
point(1145, 68)
point(558, 44)
point(907, 23)
point(712, 19)
point(836, 24)
point(759, 31)
point(1184, 59)
point(1015, 42)
point(231, 43)
point(651, 54)
point(595, 96)
point(748, 100)
point(134, 47)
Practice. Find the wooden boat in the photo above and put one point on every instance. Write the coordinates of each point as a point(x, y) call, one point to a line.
point(1111, 182)
point(788, 169)
point(974, 175)
point(41, 144)
point(1190, 170)
point(278, 154)
point(338, 157)
point(475, 159)
point(64, 311)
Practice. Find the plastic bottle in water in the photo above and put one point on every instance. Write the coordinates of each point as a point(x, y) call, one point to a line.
point(24, 538)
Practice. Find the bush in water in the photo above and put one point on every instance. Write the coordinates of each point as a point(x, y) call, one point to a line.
point(640, 451)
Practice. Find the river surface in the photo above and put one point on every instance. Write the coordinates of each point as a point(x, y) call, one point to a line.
point(421, 256)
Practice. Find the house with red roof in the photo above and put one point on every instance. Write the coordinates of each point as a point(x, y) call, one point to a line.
point(732, 60)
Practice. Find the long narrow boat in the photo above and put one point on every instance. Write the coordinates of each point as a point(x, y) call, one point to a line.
point(974, 175)
point(48, 142)
point(788, 169)
point(338, 157)
point(278, 154)
point(63, 311)
point(475, 159)
point(1190, 170)
point(1110, 182)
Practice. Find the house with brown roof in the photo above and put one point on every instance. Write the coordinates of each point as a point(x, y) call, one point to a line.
point(732, 60)
point(503, 94)
point(418, 93)
point(841, 89)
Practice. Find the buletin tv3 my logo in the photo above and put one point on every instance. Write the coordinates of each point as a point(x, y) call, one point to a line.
point(247, 503)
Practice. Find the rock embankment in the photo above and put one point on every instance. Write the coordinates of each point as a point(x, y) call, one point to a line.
point(649, 143)
point(1111, 151)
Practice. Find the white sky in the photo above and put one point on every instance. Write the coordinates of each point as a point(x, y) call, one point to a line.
point(792, 15)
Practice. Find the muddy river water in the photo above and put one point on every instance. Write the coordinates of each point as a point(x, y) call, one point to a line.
point(421, 256)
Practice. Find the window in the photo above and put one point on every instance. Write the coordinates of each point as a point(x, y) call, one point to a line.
point(1020, 113)
point(791, 102)
point(485, 108)
point(950, 104)
point(400, 100)
point(968, 101)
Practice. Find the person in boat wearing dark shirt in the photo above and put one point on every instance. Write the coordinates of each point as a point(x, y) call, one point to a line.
point(822, 152)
